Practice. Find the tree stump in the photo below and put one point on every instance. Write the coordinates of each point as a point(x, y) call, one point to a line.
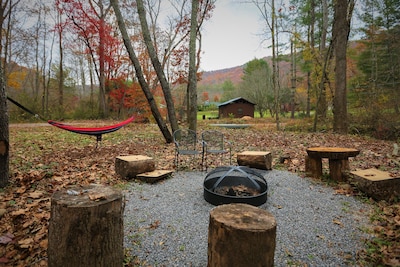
point(255, 159)
point(241, 235)
point(130, 166)
point(377, 184)
point(86, 227)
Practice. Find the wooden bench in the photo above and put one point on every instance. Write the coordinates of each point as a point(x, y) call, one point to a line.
point(338, 161)
point(132, 165)
point(255, 159)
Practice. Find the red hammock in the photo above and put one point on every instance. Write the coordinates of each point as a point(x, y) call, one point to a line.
point(98, 132)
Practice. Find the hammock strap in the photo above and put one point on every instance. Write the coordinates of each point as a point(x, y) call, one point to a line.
point(25, 108)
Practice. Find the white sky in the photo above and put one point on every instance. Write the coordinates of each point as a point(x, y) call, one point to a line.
point(232, 36)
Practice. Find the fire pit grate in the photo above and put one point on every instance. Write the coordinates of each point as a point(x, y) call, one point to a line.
point(235, 184)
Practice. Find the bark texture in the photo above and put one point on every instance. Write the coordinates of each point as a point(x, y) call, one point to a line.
point(86, 227)
point(241, 235)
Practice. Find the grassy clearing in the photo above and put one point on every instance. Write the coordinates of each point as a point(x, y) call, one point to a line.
point(47, 158)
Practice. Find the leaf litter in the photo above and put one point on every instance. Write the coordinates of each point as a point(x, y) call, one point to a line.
point(42, 163)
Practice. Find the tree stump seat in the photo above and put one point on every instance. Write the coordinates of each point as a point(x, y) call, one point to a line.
point(338, 161)
point(255, 159)
point(86, 227)
point(132, 165)
point(241, 235)
point(377, 184)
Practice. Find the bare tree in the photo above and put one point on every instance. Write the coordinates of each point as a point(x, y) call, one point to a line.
point(268, 13)
point(139, 74)
point(192, 80)
point(157, 65)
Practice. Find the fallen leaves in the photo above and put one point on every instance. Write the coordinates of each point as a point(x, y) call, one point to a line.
point(337, 222)
point(44, 160)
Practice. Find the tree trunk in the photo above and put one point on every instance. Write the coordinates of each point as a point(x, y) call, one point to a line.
point(157, 66)
point(139, 73)
point(341, 29)
point(192, 83)
point(61, 78)
point(4, 133)
point(275, 72)
point(102, 78)
point(86, 227)
point(241, 235)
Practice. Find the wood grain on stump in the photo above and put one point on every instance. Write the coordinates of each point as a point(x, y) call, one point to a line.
point(378, 184)
point(132, 165)
point(255, 159)
point(86, 227)
point(241, 235)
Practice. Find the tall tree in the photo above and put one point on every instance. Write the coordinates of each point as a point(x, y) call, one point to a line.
point(379, 60)
point(157, 65)
point(6, 8)
point(269, 14)
point(341, 31)
point(88, 19)
point(139, 74)
point(192, 80)
point(257, 86)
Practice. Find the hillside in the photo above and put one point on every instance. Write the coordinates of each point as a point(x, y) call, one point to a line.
point(220, 76)
point(234, 74)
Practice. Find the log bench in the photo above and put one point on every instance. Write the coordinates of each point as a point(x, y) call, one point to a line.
point(338, 161)
point(377, 184)
point(132, 165)
point(255, 159)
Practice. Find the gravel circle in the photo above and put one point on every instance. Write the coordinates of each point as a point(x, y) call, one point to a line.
point(166, 224)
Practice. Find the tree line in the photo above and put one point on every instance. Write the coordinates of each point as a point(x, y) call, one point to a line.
point(100, 58)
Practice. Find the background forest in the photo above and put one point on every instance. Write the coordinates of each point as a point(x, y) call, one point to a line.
point(334, 67)
point(67, 60)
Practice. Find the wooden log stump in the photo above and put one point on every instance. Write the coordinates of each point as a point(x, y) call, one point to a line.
point(241, 235)
point(131, 166)
point(255, 159)
point(86, 227)
point(314, 166)
point(154, 176)
point(377, 184)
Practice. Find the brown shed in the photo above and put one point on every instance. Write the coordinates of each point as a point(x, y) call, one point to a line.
point(238, 107)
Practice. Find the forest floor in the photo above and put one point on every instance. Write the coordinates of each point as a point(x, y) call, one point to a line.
point(44, 159)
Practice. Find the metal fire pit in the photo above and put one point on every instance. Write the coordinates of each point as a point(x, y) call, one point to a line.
point(235, 184)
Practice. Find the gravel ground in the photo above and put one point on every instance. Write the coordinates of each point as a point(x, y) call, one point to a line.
point(166, 224)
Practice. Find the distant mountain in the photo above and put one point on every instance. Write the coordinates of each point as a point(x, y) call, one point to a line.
point(234, 74)
point(214, 77)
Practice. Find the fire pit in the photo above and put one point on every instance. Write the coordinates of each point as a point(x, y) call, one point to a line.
point(235, 184)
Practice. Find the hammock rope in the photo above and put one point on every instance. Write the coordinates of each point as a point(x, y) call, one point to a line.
point(95, 131)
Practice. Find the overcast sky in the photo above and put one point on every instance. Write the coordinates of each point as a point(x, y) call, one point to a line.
point(232, 36)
